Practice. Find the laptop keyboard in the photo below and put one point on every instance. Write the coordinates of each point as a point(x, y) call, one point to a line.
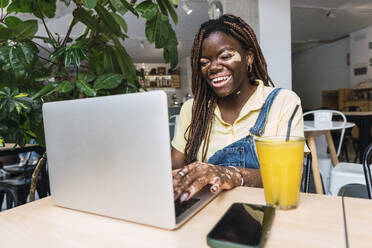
point(181, 207)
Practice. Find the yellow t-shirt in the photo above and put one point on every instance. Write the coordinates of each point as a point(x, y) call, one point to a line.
point(223, 134)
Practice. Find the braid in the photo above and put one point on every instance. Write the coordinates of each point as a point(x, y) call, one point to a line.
point(205, 100)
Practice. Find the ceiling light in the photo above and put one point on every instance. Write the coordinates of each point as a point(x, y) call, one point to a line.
point(215, 10)
point(186, 8)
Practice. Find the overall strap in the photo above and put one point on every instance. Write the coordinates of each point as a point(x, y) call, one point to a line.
point(259, 126)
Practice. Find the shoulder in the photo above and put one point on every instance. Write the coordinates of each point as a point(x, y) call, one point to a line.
point(288, 95)
point(284, 95)
point(186, 110)
point(188, 104)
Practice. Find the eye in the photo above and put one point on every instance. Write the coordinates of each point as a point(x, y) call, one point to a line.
point(204, 62)
point(227, 56)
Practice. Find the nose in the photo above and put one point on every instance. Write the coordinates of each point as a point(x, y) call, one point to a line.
point(214, 67)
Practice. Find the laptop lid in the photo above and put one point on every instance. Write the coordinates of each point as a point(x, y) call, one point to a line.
point(111, 156)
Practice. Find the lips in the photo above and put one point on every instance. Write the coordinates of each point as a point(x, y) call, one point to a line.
point(218, 82)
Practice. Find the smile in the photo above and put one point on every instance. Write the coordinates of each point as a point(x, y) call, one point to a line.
point(220, 81)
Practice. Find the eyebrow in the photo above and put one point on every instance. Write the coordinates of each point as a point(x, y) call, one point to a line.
point(220, 52)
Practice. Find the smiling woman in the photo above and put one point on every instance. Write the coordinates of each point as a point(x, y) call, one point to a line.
point(233, 103)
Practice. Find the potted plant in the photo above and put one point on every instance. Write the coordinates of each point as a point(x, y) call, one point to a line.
point(94, 64)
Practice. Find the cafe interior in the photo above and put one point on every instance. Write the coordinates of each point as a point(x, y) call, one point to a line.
point(321, 50)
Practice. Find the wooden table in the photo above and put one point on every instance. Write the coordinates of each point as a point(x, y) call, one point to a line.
point(311, 132)
point(363, 120)
point(317, 222)
point(359, 219)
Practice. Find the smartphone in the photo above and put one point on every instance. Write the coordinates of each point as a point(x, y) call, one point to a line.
point(243, 225)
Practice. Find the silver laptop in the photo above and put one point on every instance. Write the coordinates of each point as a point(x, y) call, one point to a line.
point(111, 156)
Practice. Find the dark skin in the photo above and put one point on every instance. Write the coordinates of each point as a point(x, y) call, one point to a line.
point(224, 64)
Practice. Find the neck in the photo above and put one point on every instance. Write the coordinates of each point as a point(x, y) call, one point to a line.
point(239, 97)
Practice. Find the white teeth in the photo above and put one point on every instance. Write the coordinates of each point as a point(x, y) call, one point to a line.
point(220, 78)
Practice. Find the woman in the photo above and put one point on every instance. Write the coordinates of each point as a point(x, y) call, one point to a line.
point(233, 103)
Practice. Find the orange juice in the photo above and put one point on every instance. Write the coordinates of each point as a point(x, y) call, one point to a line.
point(281, 169)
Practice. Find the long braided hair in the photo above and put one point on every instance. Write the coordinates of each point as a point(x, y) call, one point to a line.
point(205, 100)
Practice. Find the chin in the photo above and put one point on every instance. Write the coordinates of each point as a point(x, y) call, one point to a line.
point(223, 92)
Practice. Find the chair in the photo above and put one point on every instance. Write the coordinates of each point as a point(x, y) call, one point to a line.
point(15, 184)
point(351, 135)
point(367, 161)
point(173, 121)
point(323, 119)
point(351, 173)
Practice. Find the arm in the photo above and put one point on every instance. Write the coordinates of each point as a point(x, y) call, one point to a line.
point(178, 159)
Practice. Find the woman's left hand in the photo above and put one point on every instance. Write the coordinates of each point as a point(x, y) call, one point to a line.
point(193, 177)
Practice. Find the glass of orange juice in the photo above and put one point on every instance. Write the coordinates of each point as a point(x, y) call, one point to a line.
point(281, 169)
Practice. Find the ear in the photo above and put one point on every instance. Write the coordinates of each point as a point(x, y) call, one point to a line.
point(249, 56)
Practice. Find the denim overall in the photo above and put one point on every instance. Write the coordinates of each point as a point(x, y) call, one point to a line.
point(242, 153)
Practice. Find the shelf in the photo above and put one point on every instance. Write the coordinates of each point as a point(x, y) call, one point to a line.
point(160, 81)
point(168, 89)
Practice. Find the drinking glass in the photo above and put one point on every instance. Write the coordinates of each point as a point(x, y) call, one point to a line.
point(281, 169)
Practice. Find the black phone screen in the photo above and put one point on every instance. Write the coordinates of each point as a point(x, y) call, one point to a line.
point(243, 223)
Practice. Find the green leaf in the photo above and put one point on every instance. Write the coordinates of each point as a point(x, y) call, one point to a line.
point(4, 3)
point(57, 53)
point(171, 11)
point(151, 28)
point(162, 7)
point(12, 21)
point(67, 2)
point(119, 6)
point(85, 17)
point(21, 95)
point(90, 3)
point(85, 88)
point(47, 7)
point(23, 6)
point(109, 58)
point(2, 141)
point(150, 12)
point(108, 81)
point(157, 30)
point(12, 61)
point(5, 34)
point(46, 90)
point(26, 53)
point(65, 86)
point(162, 32)
point(26, 29)
point(119, 20)
point(125, 61)
point(143, 6)
point(107, 19)
point(129, 7)
point(86, 76)
point(68, 58)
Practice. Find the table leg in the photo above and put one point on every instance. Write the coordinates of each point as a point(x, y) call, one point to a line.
point(315, 165)
point(332, 149)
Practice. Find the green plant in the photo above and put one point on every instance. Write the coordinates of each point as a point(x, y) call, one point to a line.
point(93, 64)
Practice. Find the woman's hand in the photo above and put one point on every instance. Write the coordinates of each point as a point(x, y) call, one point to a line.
point(188, 180)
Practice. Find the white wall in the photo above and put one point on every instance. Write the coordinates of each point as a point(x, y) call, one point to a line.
point(275, 39)
point(245, 9)
point(360, 55)
point(320, 68)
